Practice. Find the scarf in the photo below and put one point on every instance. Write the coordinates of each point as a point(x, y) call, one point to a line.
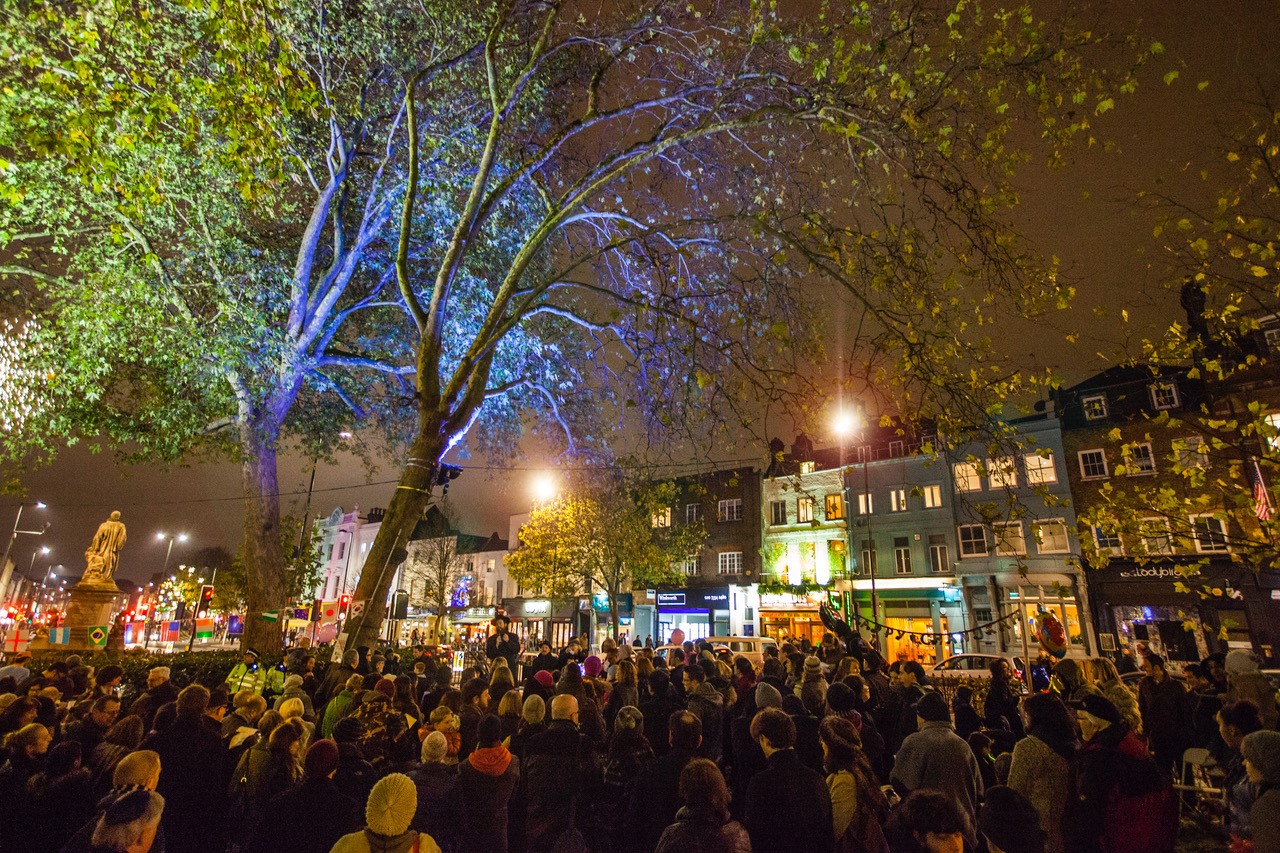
point(491, 761)
point(390, 843)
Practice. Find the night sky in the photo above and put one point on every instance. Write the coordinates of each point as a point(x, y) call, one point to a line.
point(1165, 134)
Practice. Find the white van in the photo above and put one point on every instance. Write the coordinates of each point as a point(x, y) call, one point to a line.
point(751, 648)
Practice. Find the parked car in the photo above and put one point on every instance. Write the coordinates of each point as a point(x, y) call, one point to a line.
point(976, 665)
point(751, 648)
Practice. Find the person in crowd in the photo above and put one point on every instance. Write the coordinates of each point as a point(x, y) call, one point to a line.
point(1261, 751)
point(1123, 801)
point(929, 821)
point(1246, 681)
point(501, 680)
point(293, 690)
point(355, 776)
point(744, 676)
point(261, 775)
point(857, 700)
point(1203, 703)
point(909, 682)
point(447, 723)
point(657, 708)
point(475, 703)
point(488, 780)
point(92, 728)
point(311, 816)
point(652, 808)
point(237, 719)
point(129, 823)
point(502, 643)
point(858, 808)
point(242, 724)
point(811, 680)
point(629, 754)
point(259, 738)
point(17, 670)
point(591, 721)
point(21, 712)
point(1166, 713)
point(965, 715)
point(1118, 693)
point(388, 814)
point(194, 776)
point(336, 677)
point(1040, 769)
point(216, 712)
point(439, 796)
point(1235, 721)
point(160, 691)
point(338, 706)
point(703, 823)
point(25, 752)
point(982, 747)
point(246, 675)
point(137, 770)
point(545, 661)
point(121, 739)
point(705, 703)
point(1007, 823)
point(509, 713)
point(294, 709)
point(786, 787)
point(1003, 700)
point(1071, 679)
point(561, 769)
point(935, 757)
point(61, 798)
point(626, 691)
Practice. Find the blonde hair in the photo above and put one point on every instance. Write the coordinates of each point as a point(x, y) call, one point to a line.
point(292, 708)
point(136, 768)
point(511, 704)
point(1105, 669)
point(25, 736)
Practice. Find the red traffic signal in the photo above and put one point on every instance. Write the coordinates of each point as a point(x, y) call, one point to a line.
point(343, 604)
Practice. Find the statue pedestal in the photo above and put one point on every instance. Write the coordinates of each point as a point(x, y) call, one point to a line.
point(90, 605)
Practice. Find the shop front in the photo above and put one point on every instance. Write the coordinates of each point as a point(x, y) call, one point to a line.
point(1182, 617)
point(471, 624)
point(697, 611)
point(787, 616)
point(604, 617)
point(921, 619)
point(537, 619)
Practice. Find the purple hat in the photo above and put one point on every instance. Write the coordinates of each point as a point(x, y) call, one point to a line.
point(592, 667)
point(544, 678)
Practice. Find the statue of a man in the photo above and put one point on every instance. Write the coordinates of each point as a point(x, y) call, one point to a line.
point(103, 556)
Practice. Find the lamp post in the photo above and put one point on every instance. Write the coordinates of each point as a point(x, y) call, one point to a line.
point(160, 537)
point(545, 492)
point(6, 571)
point(846, 424)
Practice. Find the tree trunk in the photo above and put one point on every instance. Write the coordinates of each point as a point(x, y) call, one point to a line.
point(264, 559)
point(613, 612)
point(405, 508)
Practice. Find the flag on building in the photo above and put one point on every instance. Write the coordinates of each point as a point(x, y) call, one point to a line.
point(60, 636)
point(17, 641)
point(1261, 497)
point(204, 629)
point(98, 635)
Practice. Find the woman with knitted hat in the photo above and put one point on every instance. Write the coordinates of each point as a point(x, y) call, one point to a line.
point(858, 808)
point(388, 814)
point(488, 779)
point(1261, 752)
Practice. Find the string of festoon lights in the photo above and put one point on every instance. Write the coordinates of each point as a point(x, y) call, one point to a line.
point(930, 638)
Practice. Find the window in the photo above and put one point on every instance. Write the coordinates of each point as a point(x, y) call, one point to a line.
point(897, 449)
point(902, 555)
point(835, 507)
point(1272, 337)
point(804, 510)
point(973, 540)
point(1156, 537)
point(662, 518)
point(1001, 473)
point(1051, 536)
point(1093, 464)
point(868, 564)
point(691, 564)
point(932, 496)
point(1190, 452)
point(498, 593)
point(1272, 431)
point(1164, 395)
point(342, 550)
point(806, 467)
point(897, 500)
point(982, 615)
point(692, 513)
point(1211, 534)
point(1008, 536)
point(777, 513)
point(966, 476)
point(329, 559)
point(1040, 468)
point(864, 504)
point(729, 510)
point(1138, 459)
point(729, 562)
point(1107, 540)
point(490, 566)
point(1095, 407)
point(938, 562)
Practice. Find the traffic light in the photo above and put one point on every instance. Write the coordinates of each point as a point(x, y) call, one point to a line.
point(343, 604)
point(205, 602)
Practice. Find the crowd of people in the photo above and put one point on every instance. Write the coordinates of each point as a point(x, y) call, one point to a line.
point(811, 749)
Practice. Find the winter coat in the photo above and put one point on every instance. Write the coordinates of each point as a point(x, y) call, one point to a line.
point(1264, 818)
point(193, 784)
point(307, 818)
point(355, 776)
point(561, 769)
point(335, 711)
point(334, 680)
point(57, 809)
point(146, 705)
point(259, 777)
point(967, 721)
point(308, 712)
point(657, 712)
point(488, 779)
point(365, 841)
point(102, 762)
point(654, 800)
point(1040, 774)
point(1166, 714)
point(1125, 701)
point(936, 757)
point(858, 812)
point(706, 703)
point(788, 807)
point(1122, 803)
point(506, 646)
point(702, 831)
point(1003, 701)
point(439, 803)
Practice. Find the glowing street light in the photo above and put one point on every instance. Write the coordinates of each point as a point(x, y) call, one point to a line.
point(160, 537)
point(545, 488)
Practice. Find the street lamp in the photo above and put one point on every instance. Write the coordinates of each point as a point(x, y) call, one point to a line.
point(5, 571)
point(846, 425)
point(545, 489)
point(42, 550)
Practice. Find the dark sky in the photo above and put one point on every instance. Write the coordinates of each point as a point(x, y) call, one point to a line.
point(1164, 133)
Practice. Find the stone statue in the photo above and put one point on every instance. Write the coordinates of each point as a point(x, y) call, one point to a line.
point(103, 556)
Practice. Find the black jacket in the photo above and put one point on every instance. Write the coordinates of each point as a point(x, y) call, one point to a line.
point(505, 646)
point(146, 705)
point(789, 807)
point(309, 818)
point(439, 804)
point(654, 800)
point(355, 776)
point(657, 714)
point(561, 769)
point(484, 806)
point(192, 782)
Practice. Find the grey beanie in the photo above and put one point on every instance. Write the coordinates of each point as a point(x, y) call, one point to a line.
point(1262, 750)
point(767, 696)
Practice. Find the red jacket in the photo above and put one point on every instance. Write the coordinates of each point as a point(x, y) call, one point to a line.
point(1122, 803)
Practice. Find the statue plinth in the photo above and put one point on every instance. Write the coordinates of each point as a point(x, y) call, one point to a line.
point(90, 605)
